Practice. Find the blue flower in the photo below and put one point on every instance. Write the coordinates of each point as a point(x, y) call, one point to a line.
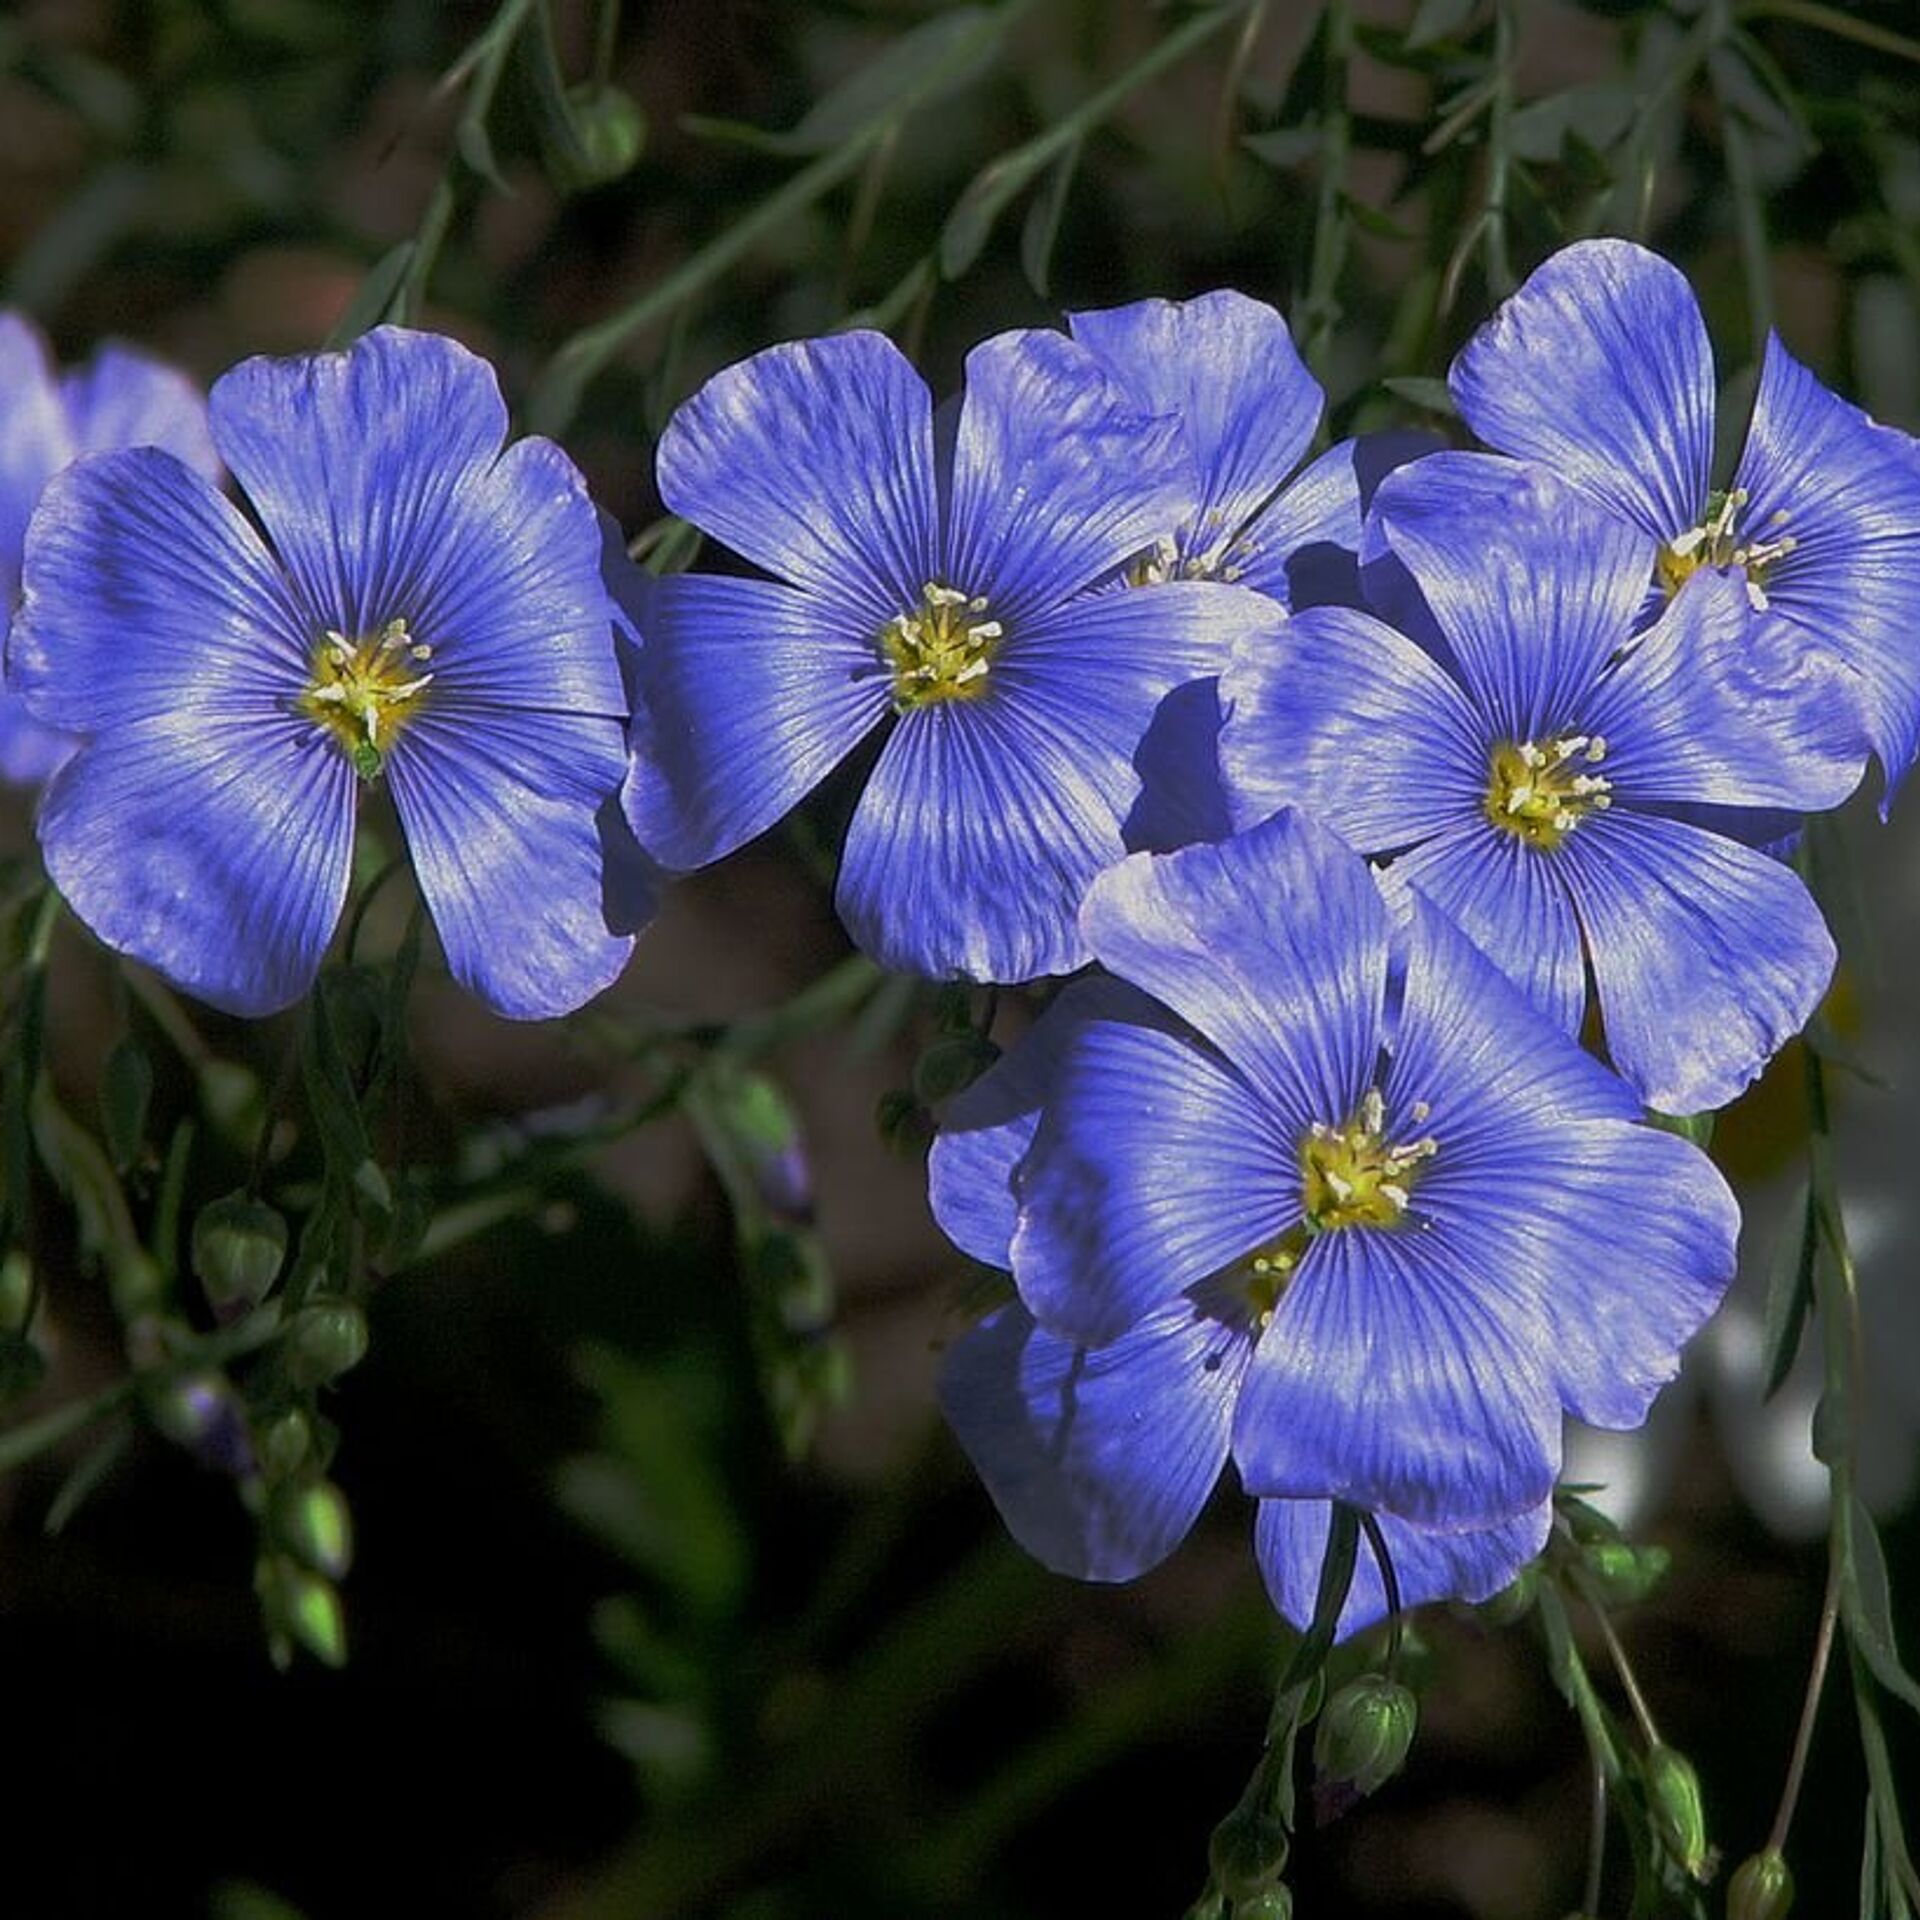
point(1575, 795)
point(420, 606)
point(1225, 368)
point(948, 602)
point(1319, 1192)
point(121, 398)
point(1600, 369)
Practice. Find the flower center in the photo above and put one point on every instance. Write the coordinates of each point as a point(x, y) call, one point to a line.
point(1539, 790)
point(941, 650)
point(1353, 1176)
point(1208, 550)
point(362, 691)
point(1715, 542)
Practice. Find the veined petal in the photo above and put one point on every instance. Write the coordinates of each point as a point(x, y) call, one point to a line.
point(986, 818)
point(1272, 944)
point(148, 596)
point(1393, 1379)
point(356, 462)
point(501, 815)
point(1533, 589)
point(1290, 1542)
point(125, 398)
point(1226, 367)
point(747, 694)
point(1352, 722)
point(1304, 547)
point(212, 846)
point(1707, 956)
point(1847, 492)
point(1155, 1167)
point(1511, 901)
point(1600, 369)
point(1057, 480)
point(815, 460)
point(29, 752)
point(987, 1128)
point(1715, 705)
point(1099, 1458)
point(35, 441)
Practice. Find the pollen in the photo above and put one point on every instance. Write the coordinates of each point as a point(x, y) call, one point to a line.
point(1354, 1176)
point(1717, 542)
point(942, 650)
point(363, 691)
point(1540, 790)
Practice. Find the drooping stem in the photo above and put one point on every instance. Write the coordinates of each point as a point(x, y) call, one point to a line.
point(1809, 1710)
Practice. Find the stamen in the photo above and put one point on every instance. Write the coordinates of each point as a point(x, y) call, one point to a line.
point(1353, 1175)
point(358, 693)
point(942, 649)
point(1534, 793)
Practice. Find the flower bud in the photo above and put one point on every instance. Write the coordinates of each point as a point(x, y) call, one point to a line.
point(326, 1341)
point(126, 1086)
point(1515, 1600)
point(952, 1064)
point(16, 1292)
point(314, 1523)
point(1761, 1889)
point(1365, 1732)
point(1271, 1903)
point(1673, 1792)
point(1625, 1573)
point(285, 1445)
point(238, 1247)
point(200, 1411)
point(1248, 1852)
point(301, 1608)
point(609, 133)
point(905, 1125)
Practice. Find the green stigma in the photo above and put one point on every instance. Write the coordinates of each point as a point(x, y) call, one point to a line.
point(941, 650)
point(1715, 542)
point(1540, 790)
point(363, 691)
point(1353, 1176)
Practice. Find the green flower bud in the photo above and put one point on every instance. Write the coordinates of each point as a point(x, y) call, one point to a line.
point(609, 133)
point(326, 1342)
point(314, 1522)
point(239, 1245)
point(1626, 1573)
point(951, 1064)
point(1271, 1903)
point(1673, 1792)
point(1515, 1600)
point(905, 1125)
point(1248, 1852)
point(1761, 1889)
point(1365, 1732)
point(285, 1445)
point(302, 1609)
point(200, 1411)
point(16, 1292)
point(126, 1085)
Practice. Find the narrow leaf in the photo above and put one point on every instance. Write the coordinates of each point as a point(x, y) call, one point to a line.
point(1790, 1292)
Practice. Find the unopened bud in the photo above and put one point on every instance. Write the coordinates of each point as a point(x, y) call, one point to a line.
point(1365, 1733)
point(1248, 1852)
point(285, 1444)
point(1761, 1889)
point(126, 1086)
point(1515, 1600)
point(609, 132)
point(326, 1342)
point(303, 1608)
point(1272, 1903)
point(239, 1244)
point(201, 1412)
point(1673, 1792)
point(16, 1292)
point(1624, 1573)
point(314, 1522)
point(904, 1123)
point(951, 1064)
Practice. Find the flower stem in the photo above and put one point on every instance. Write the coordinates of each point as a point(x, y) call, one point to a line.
point(1809, 1711)
point(1642, 1714)
point(1320, 310)
point(1376, 1541)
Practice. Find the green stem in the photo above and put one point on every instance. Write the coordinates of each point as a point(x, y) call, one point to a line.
point(558, 391)
point(1637, 1700)
point(1837, 21)
point(1809, 1710)
point(1390, 1581)
point(1320, 310)
point(1499, 263)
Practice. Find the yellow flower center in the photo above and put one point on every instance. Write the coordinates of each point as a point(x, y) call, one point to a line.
point(941, 650)
point(363, 691)
point(1540, 790)
point(1353, 1175)
point(1716, 542)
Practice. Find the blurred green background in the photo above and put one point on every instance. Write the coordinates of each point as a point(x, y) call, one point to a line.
point(672, 1598)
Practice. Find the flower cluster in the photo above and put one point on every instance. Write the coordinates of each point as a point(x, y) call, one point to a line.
point(1365, 794)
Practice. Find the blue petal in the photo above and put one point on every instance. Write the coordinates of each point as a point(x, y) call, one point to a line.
point(986, 1130)
point(1226, 368)
point(1533, 590)
point(815, 461)
point(1349, 720)
point(985, 819)
point(1304, 547)
point(1155, 1167)
point(1600, 369)
point(1181, 799)
point(1272, 944)
point(1290, 1542)
point(356, 461)
point(147, 595)
point(34, 441)
point(213, 846)
point(1706, 955)
point(501, 817)
point(1057, 480)
point(1849, 491)
point(747, 695)
point(1099, 1459)
point(1715, 706)
point(1394, 1378)
point(125, 398)
point(29, 752)
point(1511, 901)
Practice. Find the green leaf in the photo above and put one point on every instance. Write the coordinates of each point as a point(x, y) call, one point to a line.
point(1598, 115)
point(126, 1086)
point(983, 200)
point(1866, 1603)
point(1042, 229)
point(1431, 396)
point(377, 296)
point(1285, 147)
point(1790, 1293)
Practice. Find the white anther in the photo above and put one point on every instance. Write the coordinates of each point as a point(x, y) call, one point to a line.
point(1597, 747)
point(938, 596)
point(1373, 1110)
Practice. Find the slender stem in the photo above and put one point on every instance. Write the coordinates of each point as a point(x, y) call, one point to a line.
point(1320, 311)
point(1618, 1654)
point(1390, 1580)
point(1809, 1711)
point(366, 899)
point(22, 1443)
point(46, 916)
point(1836, 20)
point(1499, 154)
point(1597, 1843)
